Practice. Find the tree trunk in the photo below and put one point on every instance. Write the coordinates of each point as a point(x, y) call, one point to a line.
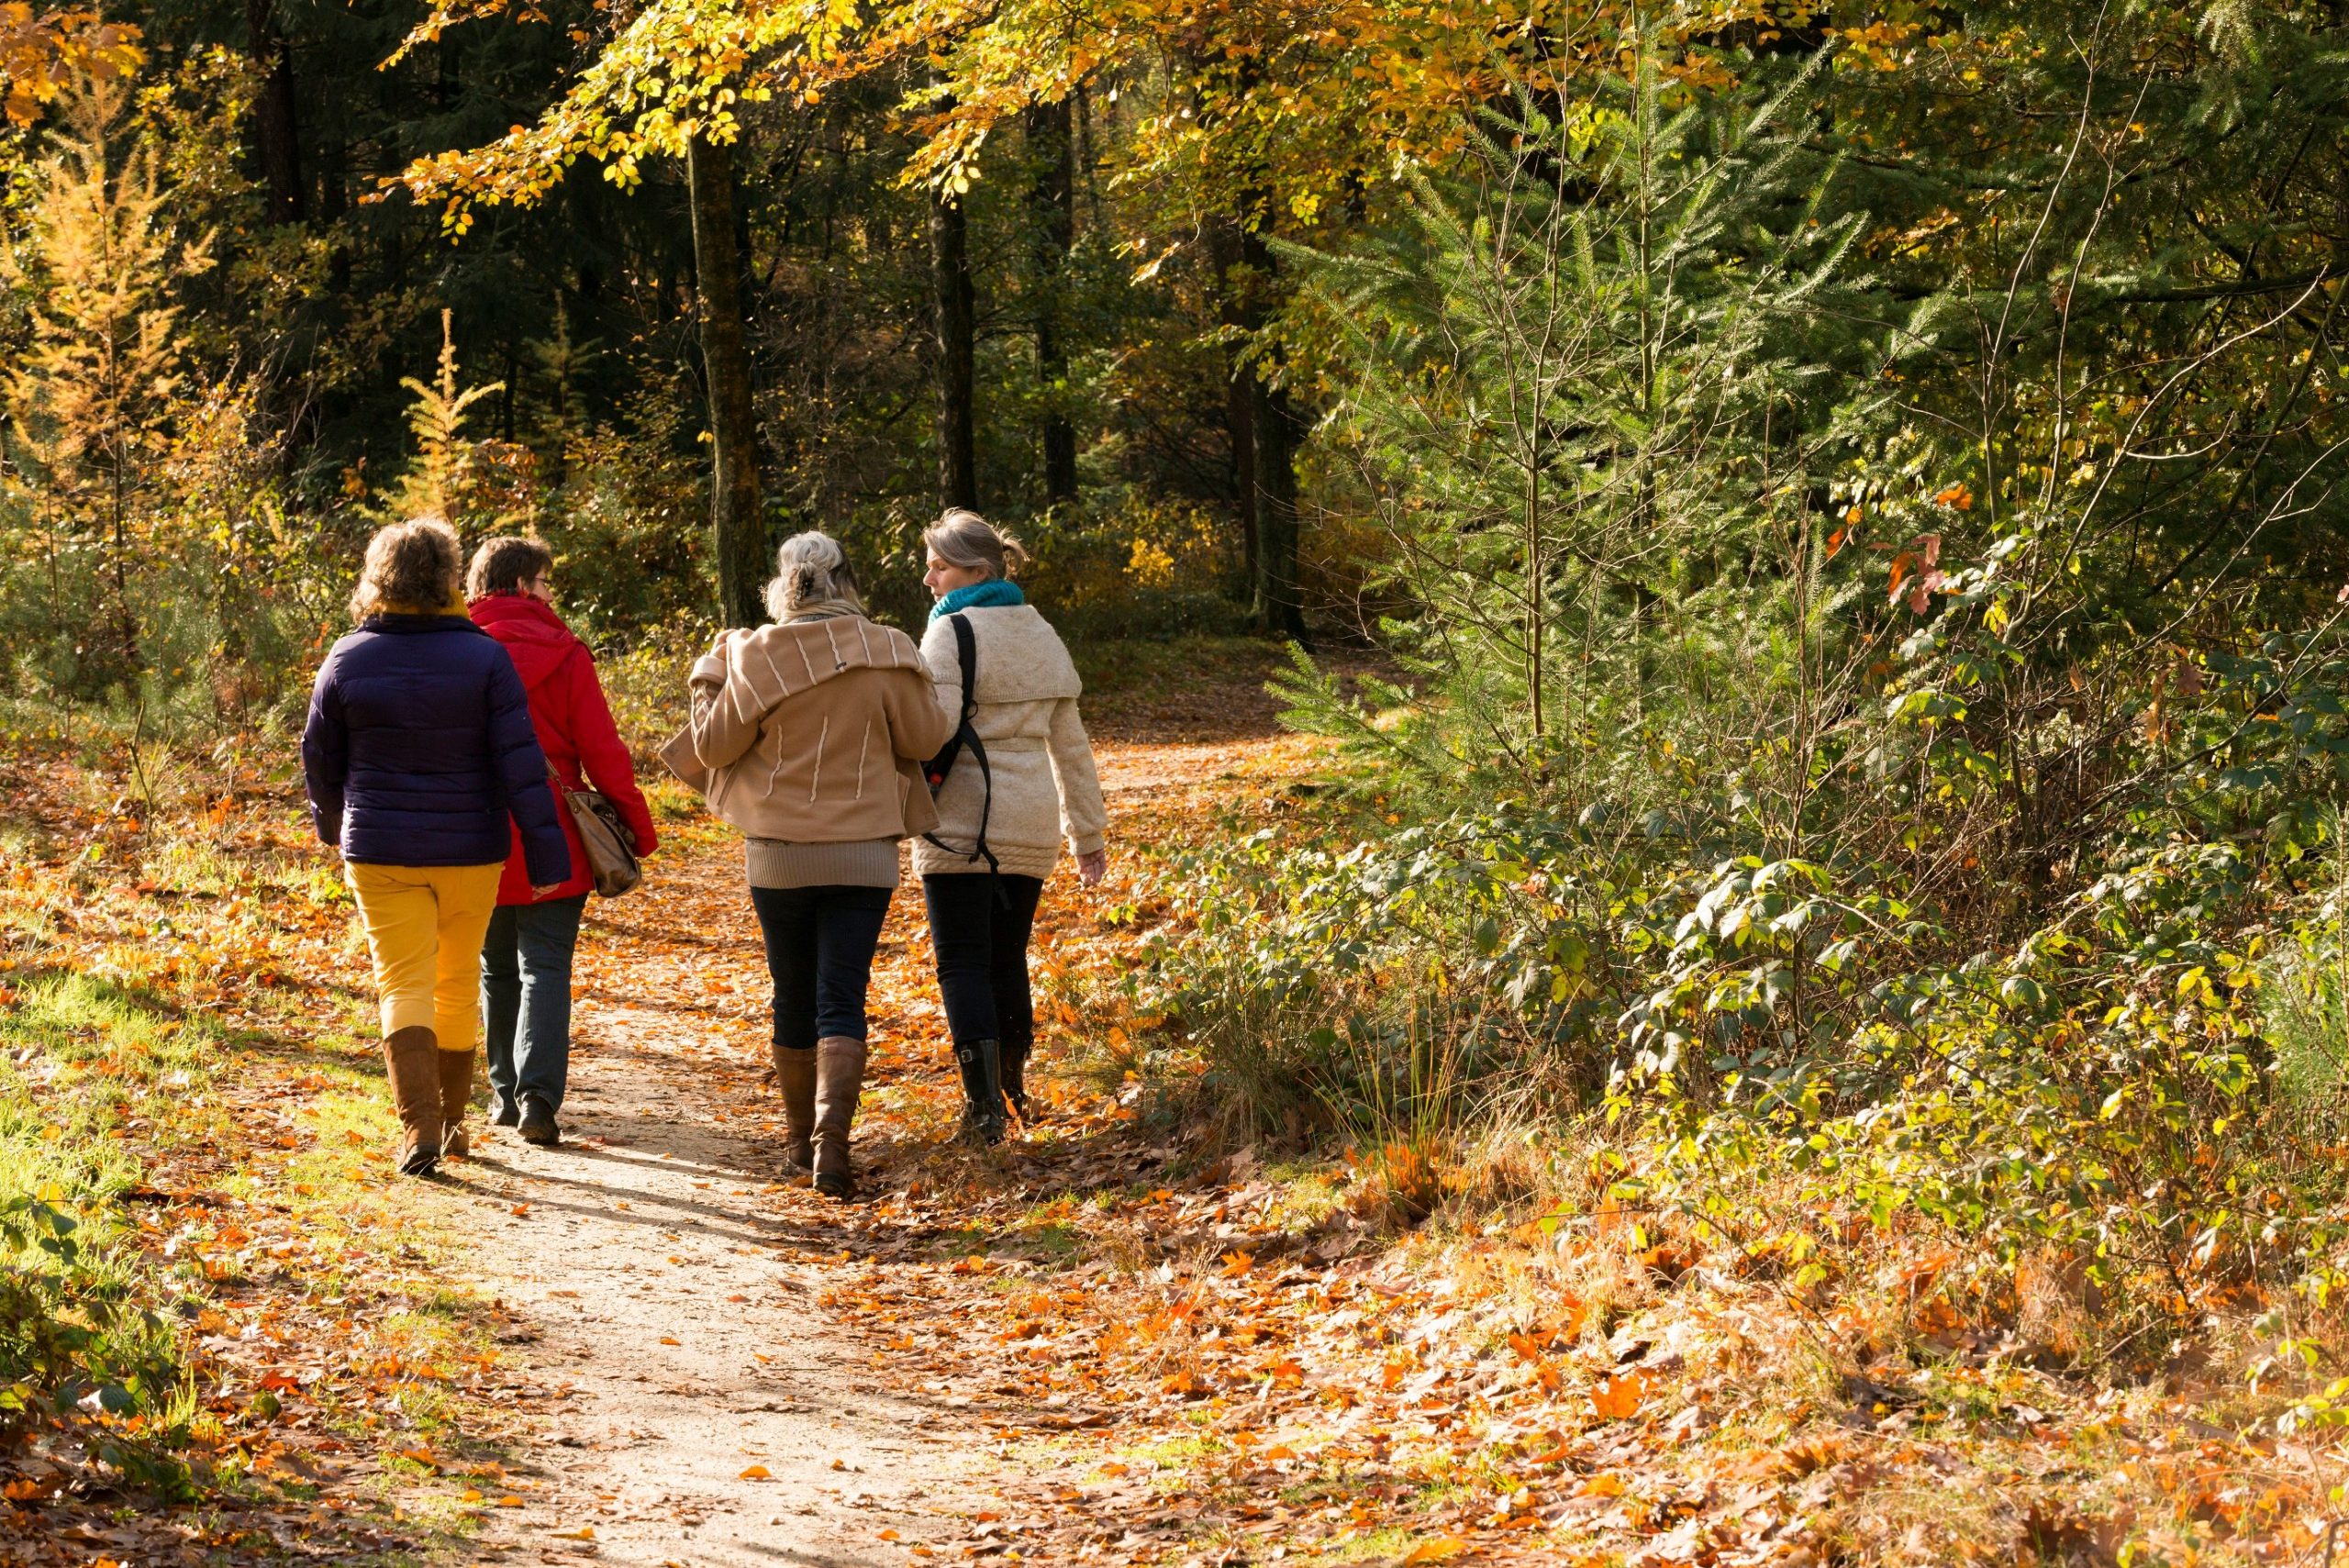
point(275, 134)
point(1052, 202)
point(956, 305)
point(1276, 429)
point(738, 531)
point(1239, 403)
point(1279, 429)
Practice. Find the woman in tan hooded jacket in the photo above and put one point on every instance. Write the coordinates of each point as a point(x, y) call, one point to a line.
point(807, 735)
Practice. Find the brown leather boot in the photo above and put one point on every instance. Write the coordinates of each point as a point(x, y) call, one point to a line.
point(411, 1060)
point(839, 1081)
point(456, 1088)
point(795, 1075)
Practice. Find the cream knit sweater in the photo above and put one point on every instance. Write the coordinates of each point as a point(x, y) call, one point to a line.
point(1045, 786)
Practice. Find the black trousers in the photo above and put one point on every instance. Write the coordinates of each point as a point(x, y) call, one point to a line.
point(820, 951)
point(978, 928)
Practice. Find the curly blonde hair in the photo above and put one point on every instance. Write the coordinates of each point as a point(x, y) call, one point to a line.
point(412, 568)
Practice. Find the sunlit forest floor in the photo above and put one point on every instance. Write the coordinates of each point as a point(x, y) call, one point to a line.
point(1131, 1336)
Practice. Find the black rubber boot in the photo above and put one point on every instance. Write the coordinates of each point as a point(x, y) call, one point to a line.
point(981, 1064)
point(1015, 1079)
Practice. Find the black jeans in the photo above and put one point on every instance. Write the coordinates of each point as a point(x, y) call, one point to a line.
point(978, 928)
point(819, 949)
point(526, 1000)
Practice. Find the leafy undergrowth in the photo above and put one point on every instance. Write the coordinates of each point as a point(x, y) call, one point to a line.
point(227, 1330)
point(1195, 1349)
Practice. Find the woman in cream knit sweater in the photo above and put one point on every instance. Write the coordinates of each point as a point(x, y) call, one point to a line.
point(807, 735)
point(1038, 792)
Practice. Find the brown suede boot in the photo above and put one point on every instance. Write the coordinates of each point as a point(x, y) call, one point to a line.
point(411, 1060)
point(839, 1081)
point(456, 1088)
point(795, 1075)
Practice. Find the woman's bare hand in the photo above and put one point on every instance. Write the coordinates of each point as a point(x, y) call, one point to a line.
point(1091, 868)
point(545, 890)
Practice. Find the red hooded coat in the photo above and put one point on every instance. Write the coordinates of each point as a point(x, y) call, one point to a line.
point(574, 725)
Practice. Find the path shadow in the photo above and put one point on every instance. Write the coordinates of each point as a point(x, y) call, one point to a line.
point(712, 1220)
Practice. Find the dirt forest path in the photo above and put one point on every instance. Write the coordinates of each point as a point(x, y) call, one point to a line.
point(679, 1296)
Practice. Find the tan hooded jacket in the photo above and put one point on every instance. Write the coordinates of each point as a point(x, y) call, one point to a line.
point(813, 733)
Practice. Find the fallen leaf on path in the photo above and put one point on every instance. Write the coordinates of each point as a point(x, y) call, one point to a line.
point(1620, 1397)
point(584, 1532)
point(1438, 1549)
point(756, 1473)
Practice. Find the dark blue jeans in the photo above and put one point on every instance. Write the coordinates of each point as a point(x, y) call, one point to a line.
point(978, 928)
point(526, 1000)
point(820, 951)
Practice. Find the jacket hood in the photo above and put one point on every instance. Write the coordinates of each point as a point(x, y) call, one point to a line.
point(533, 634)
point(762, 666)
point(1020, 657)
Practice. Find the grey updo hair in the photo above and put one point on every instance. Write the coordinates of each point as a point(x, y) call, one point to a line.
point(809, 568)
point(962, 538)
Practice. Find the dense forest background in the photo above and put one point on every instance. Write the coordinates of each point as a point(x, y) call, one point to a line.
point(1846, 498)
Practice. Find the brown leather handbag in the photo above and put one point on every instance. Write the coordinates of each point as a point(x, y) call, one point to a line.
point(611, 848)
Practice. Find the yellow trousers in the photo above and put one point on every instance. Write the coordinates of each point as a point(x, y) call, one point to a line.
point(425, 926)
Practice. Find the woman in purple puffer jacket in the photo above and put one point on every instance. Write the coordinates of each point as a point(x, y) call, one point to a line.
point(417, 755)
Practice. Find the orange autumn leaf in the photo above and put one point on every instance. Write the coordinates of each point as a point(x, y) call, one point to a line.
point(1438, 1549)
point(1620, 1397)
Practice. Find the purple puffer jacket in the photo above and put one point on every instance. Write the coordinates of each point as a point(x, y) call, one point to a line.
point(419, 749)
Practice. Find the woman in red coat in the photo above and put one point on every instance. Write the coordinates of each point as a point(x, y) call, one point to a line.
point(525, 961)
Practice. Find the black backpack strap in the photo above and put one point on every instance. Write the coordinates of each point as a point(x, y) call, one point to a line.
point(966, 738)
point(966, 654)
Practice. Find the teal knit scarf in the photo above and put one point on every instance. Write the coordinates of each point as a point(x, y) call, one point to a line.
point(993, 594)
